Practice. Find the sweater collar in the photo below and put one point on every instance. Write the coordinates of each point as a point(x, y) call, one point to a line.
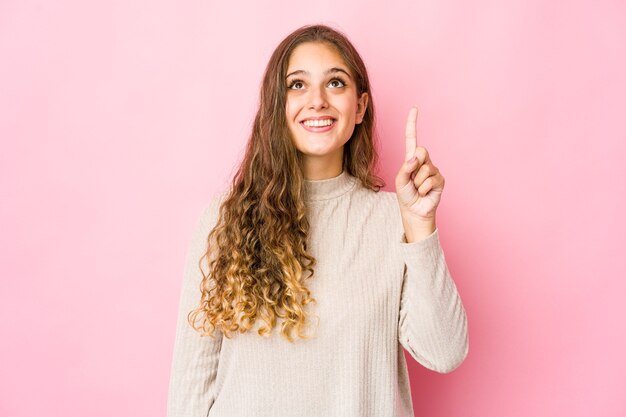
point(326, 189)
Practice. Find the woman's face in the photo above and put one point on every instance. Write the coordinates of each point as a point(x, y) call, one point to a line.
point(322, 104)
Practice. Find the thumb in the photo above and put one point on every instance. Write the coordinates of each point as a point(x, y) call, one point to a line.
point(404, 176)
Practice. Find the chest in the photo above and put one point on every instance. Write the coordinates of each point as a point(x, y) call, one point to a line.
point(359, 271)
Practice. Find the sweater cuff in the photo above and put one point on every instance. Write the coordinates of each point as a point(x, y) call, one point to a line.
point(423, 250)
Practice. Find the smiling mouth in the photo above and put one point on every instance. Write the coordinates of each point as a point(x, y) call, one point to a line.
point(318, 126)
point(318, 123)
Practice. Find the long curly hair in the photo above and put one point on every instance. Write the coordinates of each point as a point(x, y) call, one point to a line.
point(257, 251)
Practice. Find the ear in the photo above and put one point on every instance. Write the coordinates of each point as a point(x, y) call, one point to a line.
point(361, 107)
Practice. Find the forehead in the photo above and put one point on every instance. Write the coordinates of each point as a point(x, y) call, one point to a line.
point(312, 56)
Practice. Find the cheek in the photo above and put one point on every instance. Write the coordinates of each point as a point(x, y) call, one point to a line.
point(291, 109)
point(288, 112)
point(349, 108)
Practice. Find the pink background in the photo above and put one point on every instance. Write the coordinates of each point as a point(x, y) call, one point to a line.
point(119, 120)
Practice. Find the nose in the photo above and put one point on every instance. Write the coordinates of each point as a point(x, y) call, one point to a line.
point(317, 99)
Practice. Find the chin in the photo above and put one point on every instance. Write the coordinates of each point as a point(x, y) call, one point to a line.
point(318, 152)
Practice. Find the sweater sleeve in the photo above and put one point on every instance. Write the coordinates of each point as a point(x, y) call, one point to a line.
point(195, 358)
point(432, 324)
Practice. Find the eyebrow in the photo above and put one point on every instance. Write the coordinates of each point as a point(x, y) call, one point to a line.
point(328, 71)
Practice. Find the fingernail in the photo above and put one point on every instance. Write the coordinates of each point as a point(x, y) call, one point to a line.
point(412, 159)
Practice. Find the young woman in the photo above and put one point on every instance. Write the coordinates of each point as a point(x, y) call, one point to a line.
point(304, 280)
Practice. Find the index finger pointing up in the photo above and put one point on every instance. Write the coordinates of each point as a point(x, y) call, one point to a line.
point(411, 133)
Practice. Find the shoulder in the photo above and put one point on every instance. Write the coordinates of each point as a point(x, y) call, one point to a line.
point(215, 202)
point(379, 213)
point(210, 211)
point(382, 200)
point(381, 205)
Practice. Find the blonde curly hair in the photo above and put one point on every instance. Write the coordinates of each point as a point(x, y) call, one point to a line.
point(257, 251)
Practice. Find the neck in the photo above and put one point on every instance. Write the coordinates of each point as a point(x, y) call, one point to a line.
point(329, 188)
point(323, 167)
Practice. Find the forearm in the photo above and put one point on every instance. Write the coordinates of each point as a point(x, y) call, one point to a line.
point(432, 322)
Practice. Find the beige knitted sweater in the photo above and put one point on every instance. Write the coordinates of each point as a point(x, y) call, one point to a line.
point(375, 294)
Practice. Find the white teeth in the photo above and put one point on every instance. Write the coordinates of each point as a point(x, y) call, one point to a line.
point(318, 123)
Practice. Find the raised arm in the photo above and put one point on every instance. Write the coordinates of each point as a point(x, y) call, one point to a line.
point(195, 358)
point(432, 325)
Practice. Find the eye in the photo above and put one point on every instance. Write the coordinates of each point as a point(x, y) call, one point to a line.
point(337, 83)
point(296, 85)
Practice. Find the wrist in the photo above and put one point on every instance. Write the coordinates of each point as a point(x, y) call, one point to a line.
point(418, 228)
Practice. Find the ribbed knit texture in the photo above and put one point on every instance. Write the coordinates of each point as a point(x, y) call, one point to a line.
point(375, 294)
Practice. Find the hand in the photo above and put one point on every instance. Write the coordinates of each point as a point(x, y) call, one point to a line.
point(419, 183)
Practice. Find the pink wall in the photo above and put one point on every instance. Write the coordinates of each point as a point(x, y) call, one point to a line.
point(119, 120)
